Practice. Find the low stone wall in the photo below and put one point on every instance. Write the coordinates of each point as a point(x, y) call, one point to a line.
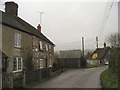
point(54, 74)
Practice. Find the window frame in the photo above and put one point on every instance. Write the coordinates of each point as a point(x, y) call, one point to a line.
point(41, 45)
point(41, 63)
point(35, 45)
point(17, 65)
point(50, 63)
point(46, 47)
point(50, 47)
point(18, 40)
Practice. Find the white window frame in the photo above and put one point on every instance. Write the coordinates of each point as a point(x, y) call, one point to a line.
point(50, 47)
point(50, 63)
point(41, 63)
point(41, 45)
point(46, 46)
point(35, 45)
point(18, 40)
point(17, 62)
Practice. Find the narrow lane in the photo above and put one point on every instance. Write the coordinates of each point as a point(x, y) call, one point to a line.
point(75, 78)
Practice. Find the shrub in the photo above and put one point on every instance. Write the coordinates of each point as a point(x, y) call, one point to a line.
point(82, 62)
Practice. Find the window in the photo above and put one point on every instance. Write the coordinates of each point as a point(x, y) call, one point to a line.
point(17, 40)
point(46, 46)
point(41, 63)
point(40, 45)
point(35, 45)
point(50, 63)
point(17, 64)
point(50, 47)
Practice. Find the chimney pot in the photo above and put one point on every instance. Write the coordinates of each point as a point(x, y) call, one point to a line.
point(39, 28)
point(11, 8)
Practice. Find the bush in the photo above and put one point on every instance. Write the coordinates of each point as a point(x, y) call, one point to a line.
point(55, 67)
point(82, 62)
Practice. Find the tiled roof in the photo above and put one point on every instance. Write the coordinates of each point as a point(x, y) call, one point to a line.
point(101, 52)
point(20, 24)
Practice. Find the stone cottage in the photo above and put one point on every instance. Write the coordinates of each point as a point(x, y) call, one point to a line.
point(27, 49)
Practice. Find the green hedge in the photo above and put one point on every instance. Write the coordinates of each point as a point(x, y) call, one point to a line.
point(109, 79)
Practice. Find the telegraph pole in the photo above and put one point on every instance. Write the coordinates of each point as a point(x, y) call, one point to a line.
point(96, 41)
point(83, 46)
point(97, 46)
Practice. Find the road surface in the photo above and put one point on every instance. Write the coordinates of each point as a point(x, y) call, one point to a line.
point(75, 78)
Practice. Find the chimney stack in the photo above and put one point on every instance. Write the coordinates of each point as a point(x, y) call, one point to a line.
point(104, 45)
point(39, 28)
point(11, 8)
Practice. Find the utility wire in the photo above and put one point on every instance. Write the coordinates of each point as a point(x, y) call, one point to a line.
point(105, 19)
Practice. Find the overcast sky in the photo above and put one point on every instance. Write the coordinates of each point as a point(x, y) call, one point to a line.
point(65, 22)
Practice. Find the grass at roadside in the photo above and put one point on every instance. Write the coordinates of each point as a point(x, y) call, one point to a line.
point(109, 79)
point(92, 65)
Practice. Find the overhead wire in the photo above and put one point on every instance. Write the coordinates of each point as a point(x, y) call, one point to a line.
point(105, 18)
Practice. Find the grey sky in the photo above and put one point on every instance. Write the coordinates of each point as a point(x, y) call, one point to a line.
point(66, 22)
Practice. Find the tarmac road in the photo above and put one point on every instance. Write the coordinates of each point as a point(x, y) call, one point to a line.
point(75, 78)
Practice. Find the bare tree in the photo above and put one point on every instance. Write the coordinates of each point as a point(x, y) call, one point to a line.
point(114, 39)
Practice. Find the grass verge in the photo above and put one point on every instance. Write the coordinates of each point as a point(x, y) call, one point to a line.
point(109, 79)
point(92, 65)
